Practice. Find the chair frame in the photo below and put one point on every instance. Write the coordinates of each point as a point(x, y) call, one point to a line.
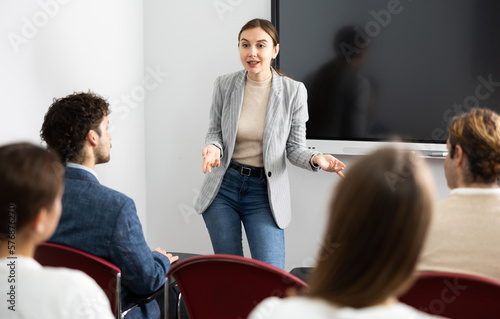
point(73, 258)
point(288, 279)
point(425, 289)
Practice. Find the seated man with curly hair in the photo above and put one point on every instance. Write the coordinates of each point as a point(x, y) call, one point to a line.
point(95, 218)
point(463, 236)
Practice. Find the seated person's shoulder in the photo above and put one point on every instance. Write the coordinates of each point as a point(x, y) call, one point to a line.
point(106, 196)
point(67, 289)
point(81, 291)
point(71, 278)
point(115, 201)
point(292, 307)
point(116, 195)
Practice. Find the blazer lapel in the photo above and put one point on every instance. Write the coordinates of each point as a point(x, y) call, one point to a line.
point(236, 101)
point(273, 106)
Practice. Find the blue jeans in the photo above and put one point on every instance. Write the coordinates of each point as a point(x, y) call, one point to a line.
point(244, 199)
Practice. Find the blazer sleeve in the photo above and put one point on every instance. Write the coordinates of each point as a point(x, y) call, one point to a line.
point(143, 271)
point(296, 149)
point(214, 134)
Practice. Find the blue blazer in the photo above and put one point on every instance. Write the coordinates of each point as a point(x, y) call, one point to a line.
point(284, 137)
point(104, 222)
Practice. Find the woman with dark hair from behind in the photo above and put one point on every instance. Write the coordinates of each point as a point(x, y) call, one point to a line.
point(379, 218)
point(31, 187)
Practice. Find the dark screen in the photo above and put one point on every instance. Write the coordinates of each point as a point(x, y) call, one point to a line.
point(378, 69)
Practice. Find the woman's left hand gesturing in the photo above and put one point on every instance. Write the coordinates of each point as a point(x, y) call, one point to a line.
point(329, 163)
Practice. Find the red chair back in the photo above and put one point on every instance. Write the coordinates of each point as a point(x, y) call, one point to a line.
point(106, 274)
point(455, 295)
point(226, 286)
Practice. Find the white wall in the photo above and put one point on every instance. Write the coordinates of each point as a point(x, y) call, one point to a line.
point(51, 48)
point(194, 42)
point(157, 65)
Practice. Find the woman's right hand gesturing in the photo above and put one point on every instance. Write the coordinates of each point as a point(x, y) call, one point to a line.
point(211, 158)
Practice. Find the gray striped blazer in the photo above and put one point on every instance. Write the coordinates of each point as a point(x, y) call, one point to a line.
point(284, 136)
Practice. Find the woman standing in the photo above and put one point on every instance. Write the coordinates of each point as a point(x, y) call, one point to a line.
point(257, 119)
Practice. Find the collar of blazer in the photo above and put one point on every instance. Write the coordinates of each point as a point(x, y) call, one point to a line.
point(80, 174)
point(276, 86)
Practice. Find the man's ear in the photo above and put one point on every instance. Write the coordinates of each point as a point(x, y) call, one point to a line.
point(38, 223)
point(92, 137)
point(459, 158)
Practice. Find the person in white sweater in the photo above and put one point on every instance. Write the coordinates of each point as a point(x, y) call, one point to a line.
point(463, 237)
point(31, 187)
point(378, 222)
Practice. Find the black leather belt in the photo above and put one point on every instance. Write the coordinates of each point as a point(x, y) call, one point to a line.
point(247, 171)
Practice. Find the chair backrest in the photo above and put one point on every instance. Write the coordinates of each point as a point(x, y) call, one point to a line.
point(454, 295)
point(106, 274)
point(226, 286)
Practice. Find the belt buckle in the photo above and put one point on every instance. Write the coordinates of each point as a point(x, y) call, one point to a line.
point(245, 169)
